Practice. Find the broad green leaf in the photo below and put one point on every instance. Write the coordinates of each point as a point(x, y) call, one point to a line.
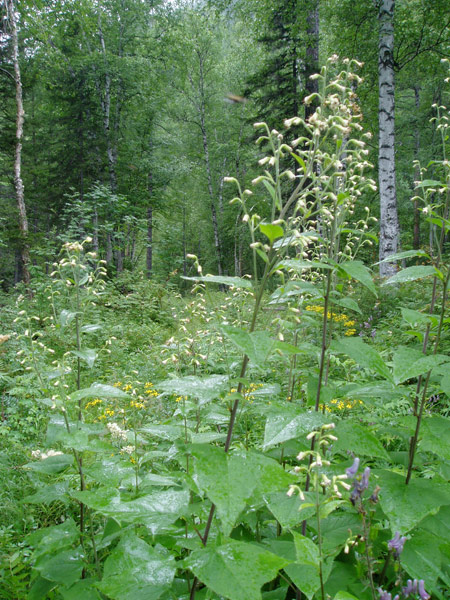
point(51, 465)
point(98, 390)
point(40, 588)
point(286, 509)
point(305, 571)
point(236, 570)
point(231, 479)
point(156, 510)
point(445, 385)
point(409, 363)
point(362, 354)
point(272, 232)
point(136, 570)
point(381, 389)
point(344, 596)
point(64, 567)
point(163, 432)
point(89, 356)
point(402, 255)
point(406, 505)
point(355, 438)
point(109, 471)
point(90, 328)
point(50, 540)
point(81, 590)
point(429, 183)
point(223, 280)
point(204, 389)
point(291, 424)
point(49, 493)
point(438, 524)
point(335, 530)
point(66, 317)
point(256, 345)
point(357, 270)
point(414, 317)
point(348, 303)
point(299, 265)
point(422, 559)
point(434, 433)
point(411, 274)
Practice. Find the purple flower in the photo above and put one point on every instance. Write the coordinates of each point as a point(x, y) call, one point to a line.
point(360, 485)
point(416, 587)
point(397, 544)
point(386, 596)
point(422, 593)
point(365, 479)
point(351, 471)
point(373, 333)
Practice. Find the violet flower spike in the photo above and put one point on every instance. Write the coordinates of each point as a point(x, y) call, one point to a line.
point(397, 543)
point(351, 471)
point(411, 588)
point(421, 589)
point(365, 479)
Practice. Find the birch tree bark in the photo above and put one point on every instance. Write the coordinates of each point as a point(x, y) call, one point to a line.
point(389, 225)
point(20, 116)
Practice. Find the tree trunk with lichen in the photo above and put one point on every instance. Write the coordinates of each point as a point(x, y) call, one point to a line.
point(389, 226)
point(20, 117)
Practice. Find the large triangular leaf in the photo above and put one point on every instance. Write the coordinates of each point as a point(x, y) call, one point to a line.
point(290, 424)
point(231, 479)
point(362, 354)
point(422, 559)
point(98, 390)
point(222, 280)
point(435, 436)
point(136, 570)
point(411, 274)
point(357, 270)
point(235, 570)
point(409, 363)
point(357, 439)
point(204, 389)
point(406, 505)
point(256, 345)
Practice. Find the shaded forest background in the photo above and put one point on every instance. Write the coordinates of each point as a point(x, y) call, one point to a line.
point(136, 110)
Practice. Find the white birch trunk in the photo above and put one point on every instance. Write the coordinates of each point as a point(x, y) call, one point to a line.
point(389, 226)
point(20, 116)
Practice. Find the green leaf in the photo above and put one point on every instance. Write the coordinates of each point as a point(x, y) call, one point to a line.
point(406, 505)
point(49, 493)
point(290, 424)
point(422, 559)
point(256, 345)
point(414, 317)
point(64, 567)
point(285, 509)
point(402, 255)
point(411, 274)
point(236, 570)
point(305, 571)
point(445, 385)
point(346, 303)
point(434, 434)
point(222, 280)
point(204, 389)
point(357, 270)
point(89, 356)
point(299, 265)
point(109, 471)
point(409, 363)
point(231, 479)
point(362, 354)
point(98, 390)
point(51, 465)
point(357, 439)
point(90, 328)
point(272, 232)
point(136, 570)
point(50, 540)
point(163, 432)
point(83, 589)
point(344, 596)
point(66, 317)
point(156, 510)
point(429, 183)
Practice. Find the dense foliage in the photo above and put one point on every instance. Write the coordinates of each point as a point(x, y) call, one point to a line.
point(167, 433)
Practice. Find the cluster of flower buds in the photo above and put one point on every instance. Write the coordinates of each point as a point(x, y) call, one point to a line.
point(360, 484)
point(415, 588)
point(397, 543)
